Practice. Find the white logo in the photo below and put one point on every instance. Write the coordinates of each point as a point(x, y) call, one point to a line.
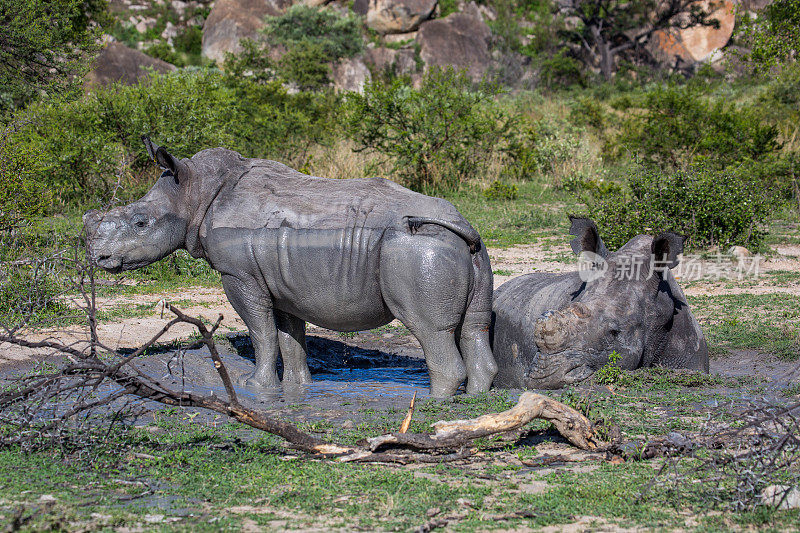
point(591, 266)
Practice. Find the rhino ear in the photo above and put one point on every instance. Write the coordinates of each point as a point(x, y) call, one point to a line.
point(666, 248)
point(166, 161)
point(150, 146)
point(163, 158)
point(587, 238)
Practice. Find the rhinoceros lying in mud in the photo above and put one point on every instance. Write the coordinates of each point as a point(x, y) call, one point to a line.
point(551, 330)
point(346, 255)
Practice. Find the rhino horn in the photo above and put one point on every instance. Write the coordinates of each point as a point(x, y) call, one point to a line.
point(553, 330)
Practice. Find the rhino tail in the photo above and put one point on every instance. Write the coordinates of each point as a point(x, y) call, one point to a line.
point(465, 231)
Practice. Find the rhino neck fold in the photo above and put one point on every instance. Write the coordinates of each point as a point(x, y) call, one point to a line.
point(204, 194)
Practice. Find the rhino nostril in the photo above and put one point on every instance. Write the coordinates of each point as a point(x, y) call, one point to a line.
point(103, 257)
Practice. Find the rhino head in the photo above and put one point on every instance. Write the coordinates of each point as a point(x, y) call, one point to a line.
point(629, 303)
point(135, 235)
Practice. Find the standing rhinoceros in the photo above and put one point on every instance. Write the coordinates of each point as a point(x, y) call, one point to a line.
point(551, 330)
point(348, 255)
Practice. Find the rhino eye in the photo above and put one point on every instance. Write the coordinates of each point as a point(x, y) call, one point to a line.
point(139, 221)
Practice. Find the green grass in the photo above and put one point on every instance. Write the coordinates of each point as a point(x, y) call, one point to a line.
point(766, 322)
point(204, 478)
point(538, 210)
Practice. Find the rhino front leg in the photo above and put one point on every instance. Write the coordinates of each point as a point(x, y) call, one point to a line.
point(292, 342)
point(255, 308)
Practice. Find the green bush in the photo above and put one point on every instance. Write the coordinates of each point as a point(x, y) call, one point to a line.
point(306, 65)
point(189, 41)
point(313, 38)
point(163, 51)
point(338, 35)
point(501, 191)
point(85, 145)
point(436, 137)
point(711, 207)
point(587, 111)
point(541, 146)
point(21, 197)
point(561, 70)
point(679, 127)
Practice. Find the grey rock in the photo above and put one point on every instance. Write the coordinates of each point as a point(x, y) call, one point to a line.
point(551, 330)
point(781, 496)
point(398, 16)
point(347, 255)
point(118, 63)
point(459, 40)
point(350, 75)
point(230, 21)
point(382, 59)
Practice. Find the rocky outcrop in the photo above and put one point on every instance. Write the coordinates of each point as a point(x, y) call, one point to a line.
point(117, 62)
point(460, 40)
point(350, 75)
point(381, 59)
point(230, 21)
point(398, 16)
point(698, 43)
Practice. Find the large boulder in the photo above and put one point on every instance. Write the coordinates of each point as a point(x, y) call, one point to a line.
point(382, 59)
point(350, 75)
point(702, 41)
point(230, 21)
point(398, 16)
point(460, 40)
point(698, 43)
point(117, 62)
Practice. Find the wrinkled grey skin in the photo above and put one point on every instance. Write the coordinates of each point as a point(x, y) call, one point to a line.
point(551, 330)
point(346, 255)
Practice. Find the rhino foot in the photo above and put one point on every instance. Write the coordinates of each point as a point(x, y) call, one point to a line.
point(253, 381)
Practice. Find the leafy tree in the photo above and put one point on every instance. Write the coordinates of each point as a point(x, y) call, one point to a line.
point(774, 37)
point(437, 136)
point(313, 38)
point(44, 45)
point(338, 35)
point(605, 29)
point(711, 207)
point(21, 196)
point(678, 126)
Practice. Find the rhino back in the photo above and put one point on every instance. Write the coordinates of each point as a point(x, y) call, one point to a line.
point(272, 195)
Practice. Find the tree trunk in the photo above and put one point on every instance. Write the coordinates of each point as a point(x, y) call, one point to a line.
point(606, 56)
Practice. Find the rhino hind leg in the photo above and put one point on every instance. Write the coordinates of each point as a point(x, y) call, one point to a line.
point(473, 340)
point(292, 343)
point(255, 308)
point(425, 283)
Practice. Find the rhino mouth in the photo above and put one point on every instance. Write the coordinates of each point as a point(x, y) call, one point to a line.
point(554, 371)
point(110, 263)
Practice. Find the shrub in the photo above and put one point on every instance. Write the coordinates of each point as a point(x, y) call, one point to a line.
point(588, 111)
point(709, 206)
point(338, 35)
point(189, 41)
point(84, 144)
point(312, 38)
point(501, 191)
point(611, 371)
point(561, 70)
point(21, 197)
point(680, 127)
point(306, 65)
point(437, 136)
point(542, 146)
